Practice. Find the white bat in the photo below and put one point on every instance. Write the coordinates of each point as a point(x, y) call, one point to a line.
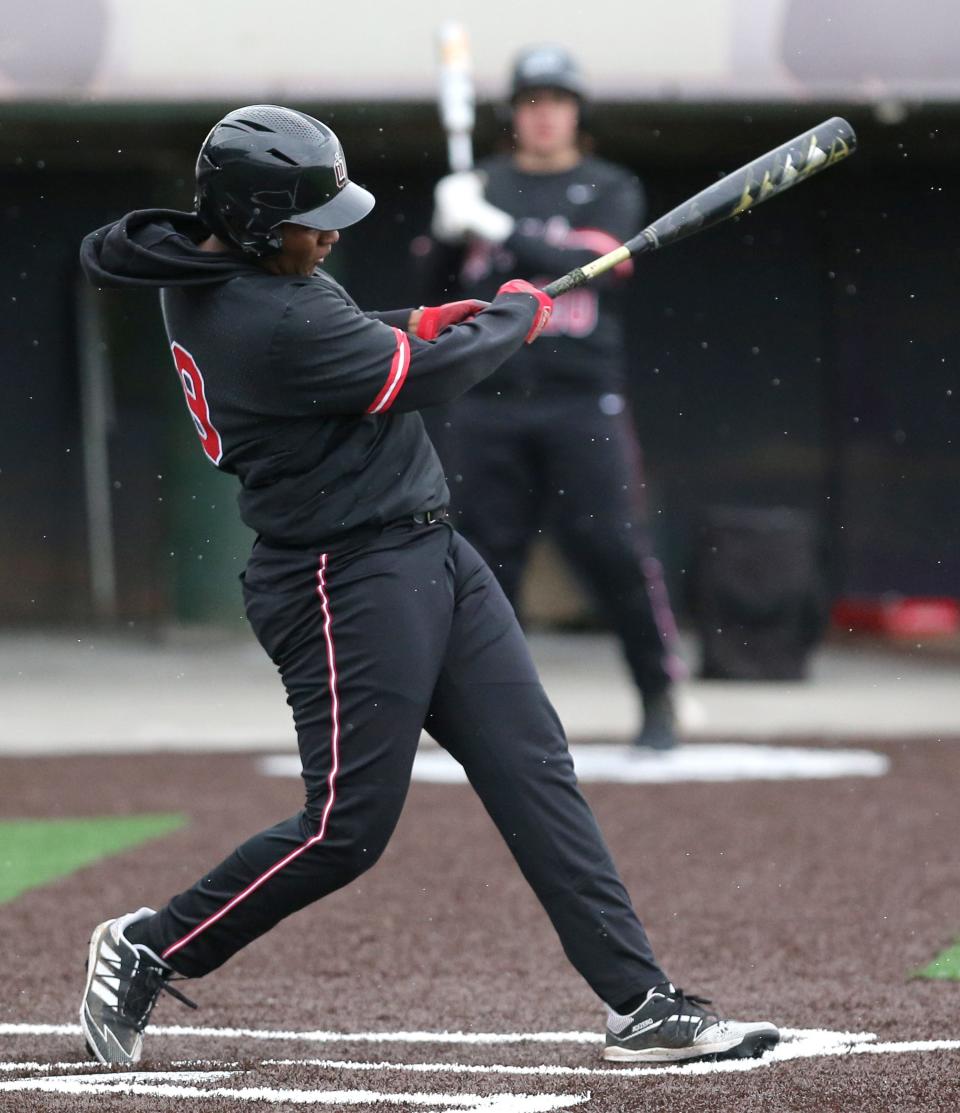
point(456, 97)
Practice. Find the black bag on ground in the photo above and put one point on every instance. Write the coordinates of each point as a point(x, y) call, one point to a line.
point(757, 598)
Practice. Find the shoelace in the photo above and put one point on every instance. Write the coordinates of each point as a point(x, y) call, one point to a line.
point(141, 1004)
point(693, 999)
point(144, 990)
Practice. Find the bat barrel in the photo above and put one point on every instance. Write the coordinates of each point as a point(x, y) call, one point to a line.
point(456, 98)
point(765, 177)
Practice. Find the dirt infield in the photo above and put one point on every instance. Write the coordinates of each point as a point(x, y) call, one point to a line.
point(807, 903)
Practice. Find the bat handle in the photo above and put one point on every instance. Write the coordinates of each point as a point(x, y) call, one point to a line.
point(565, 283)
point(579, 275)
point(460, 150)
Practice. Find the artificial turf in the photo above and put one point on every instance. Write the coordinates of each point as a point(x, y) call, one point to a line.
point(945, 966)
point(34, 852)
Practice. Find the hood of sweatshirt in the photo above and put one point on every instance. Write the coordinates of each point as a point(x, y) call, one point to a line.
point(156, 247)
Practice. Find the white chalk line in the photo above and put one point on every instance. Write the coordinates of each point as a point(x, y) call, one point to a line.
point(148, 1084)
point(783, 1053)
point(796, 1043)
point(22, 1065)
point(324, 1036)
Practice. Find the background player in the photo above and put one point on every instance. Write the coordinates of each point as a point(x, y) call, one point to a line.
point(380, 618)
point(548, 440)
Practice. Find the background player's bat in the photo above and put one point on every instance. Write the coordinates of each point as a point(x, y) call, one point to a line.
point(456, 98)
point(765, 177)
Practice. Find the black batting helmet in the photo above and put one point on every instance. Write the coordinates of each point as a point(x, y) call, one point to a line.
point(546, 67)
point(265, 165)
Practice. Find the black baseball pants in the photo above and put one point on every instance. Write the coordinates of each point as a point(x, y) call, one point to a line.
point(407, 630)
point(568, 464)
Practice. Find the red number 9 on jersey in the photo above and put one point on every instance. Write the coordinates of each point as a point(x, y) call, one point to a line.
point(192, 382)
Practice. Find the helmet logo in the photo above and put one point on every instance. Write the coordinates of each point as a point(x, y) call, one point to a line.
point(340, 170)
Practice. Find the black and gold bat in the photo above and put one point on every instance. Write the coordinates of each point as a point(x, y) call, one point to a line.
point(765, 177)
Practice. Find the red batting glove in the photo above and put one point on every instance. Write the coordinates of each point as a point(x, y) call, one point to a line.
point(544, 304)
point(435, 318)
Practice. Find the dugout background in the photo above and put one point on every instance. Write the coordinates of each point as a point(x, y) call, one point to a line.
point(806, 356)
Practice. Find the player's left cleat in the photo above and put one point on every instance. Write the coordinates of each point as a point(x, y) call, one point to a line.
point(670, 1026)
point(124, 980)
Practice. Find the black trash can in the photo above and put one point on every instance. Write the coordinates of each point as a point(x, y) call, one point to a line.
point(757, 598)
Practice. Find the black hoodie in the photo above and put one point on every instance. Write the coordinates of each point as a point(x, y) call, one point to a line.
point(308, 400)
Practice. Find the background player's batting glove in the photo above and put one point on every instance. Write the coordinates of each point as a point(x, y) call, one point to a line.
point(435, 318)
point(452, 196)
point(460, 209)
point(544, 304)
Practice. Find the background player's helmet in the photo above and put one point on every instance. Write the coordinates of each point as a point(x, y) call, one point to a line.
point(546, 67)
point(263, 165)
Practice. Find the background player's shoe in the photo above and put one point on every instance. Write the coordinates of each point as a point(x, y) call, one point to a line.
point(659, 731)
point(124, 980)
point(671, 1026)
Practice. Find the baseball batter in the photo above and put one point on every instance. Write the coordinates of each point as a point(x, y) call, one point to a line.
point(380, 618)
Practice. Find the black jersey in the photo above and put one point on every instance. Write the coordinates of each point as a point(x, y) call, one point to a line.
point(564, 220)
point(308, 400)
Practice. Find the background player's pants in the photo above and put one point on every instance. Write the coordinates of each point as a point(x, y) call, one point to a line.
point(410, 628)
point(519, 466)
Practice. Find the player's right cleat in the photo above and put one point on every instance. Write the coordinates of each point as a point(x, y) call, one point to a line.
point(670, 1026)
point(659, 731)
point(124, 980)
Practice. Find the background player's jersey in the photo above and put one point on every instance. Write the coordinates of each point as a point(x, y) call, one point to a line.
point(563, 220)
point(308, 400)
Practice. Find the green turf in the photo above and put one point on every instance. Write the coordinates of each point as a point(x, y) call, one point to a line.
point(34, 852)
point(945, 966)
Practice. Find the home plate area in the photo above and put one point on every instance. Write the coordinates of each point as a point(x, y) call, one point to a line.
point(452, 1080)
point(598, 763)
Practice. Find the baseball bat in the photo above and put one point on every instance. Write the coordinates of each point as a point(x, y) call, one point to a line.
point(456, 97)
point(765, 177)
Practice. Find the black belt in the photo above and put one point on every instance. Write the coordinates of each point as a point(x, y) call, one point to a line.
point(362, 533)
point(428, 517)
